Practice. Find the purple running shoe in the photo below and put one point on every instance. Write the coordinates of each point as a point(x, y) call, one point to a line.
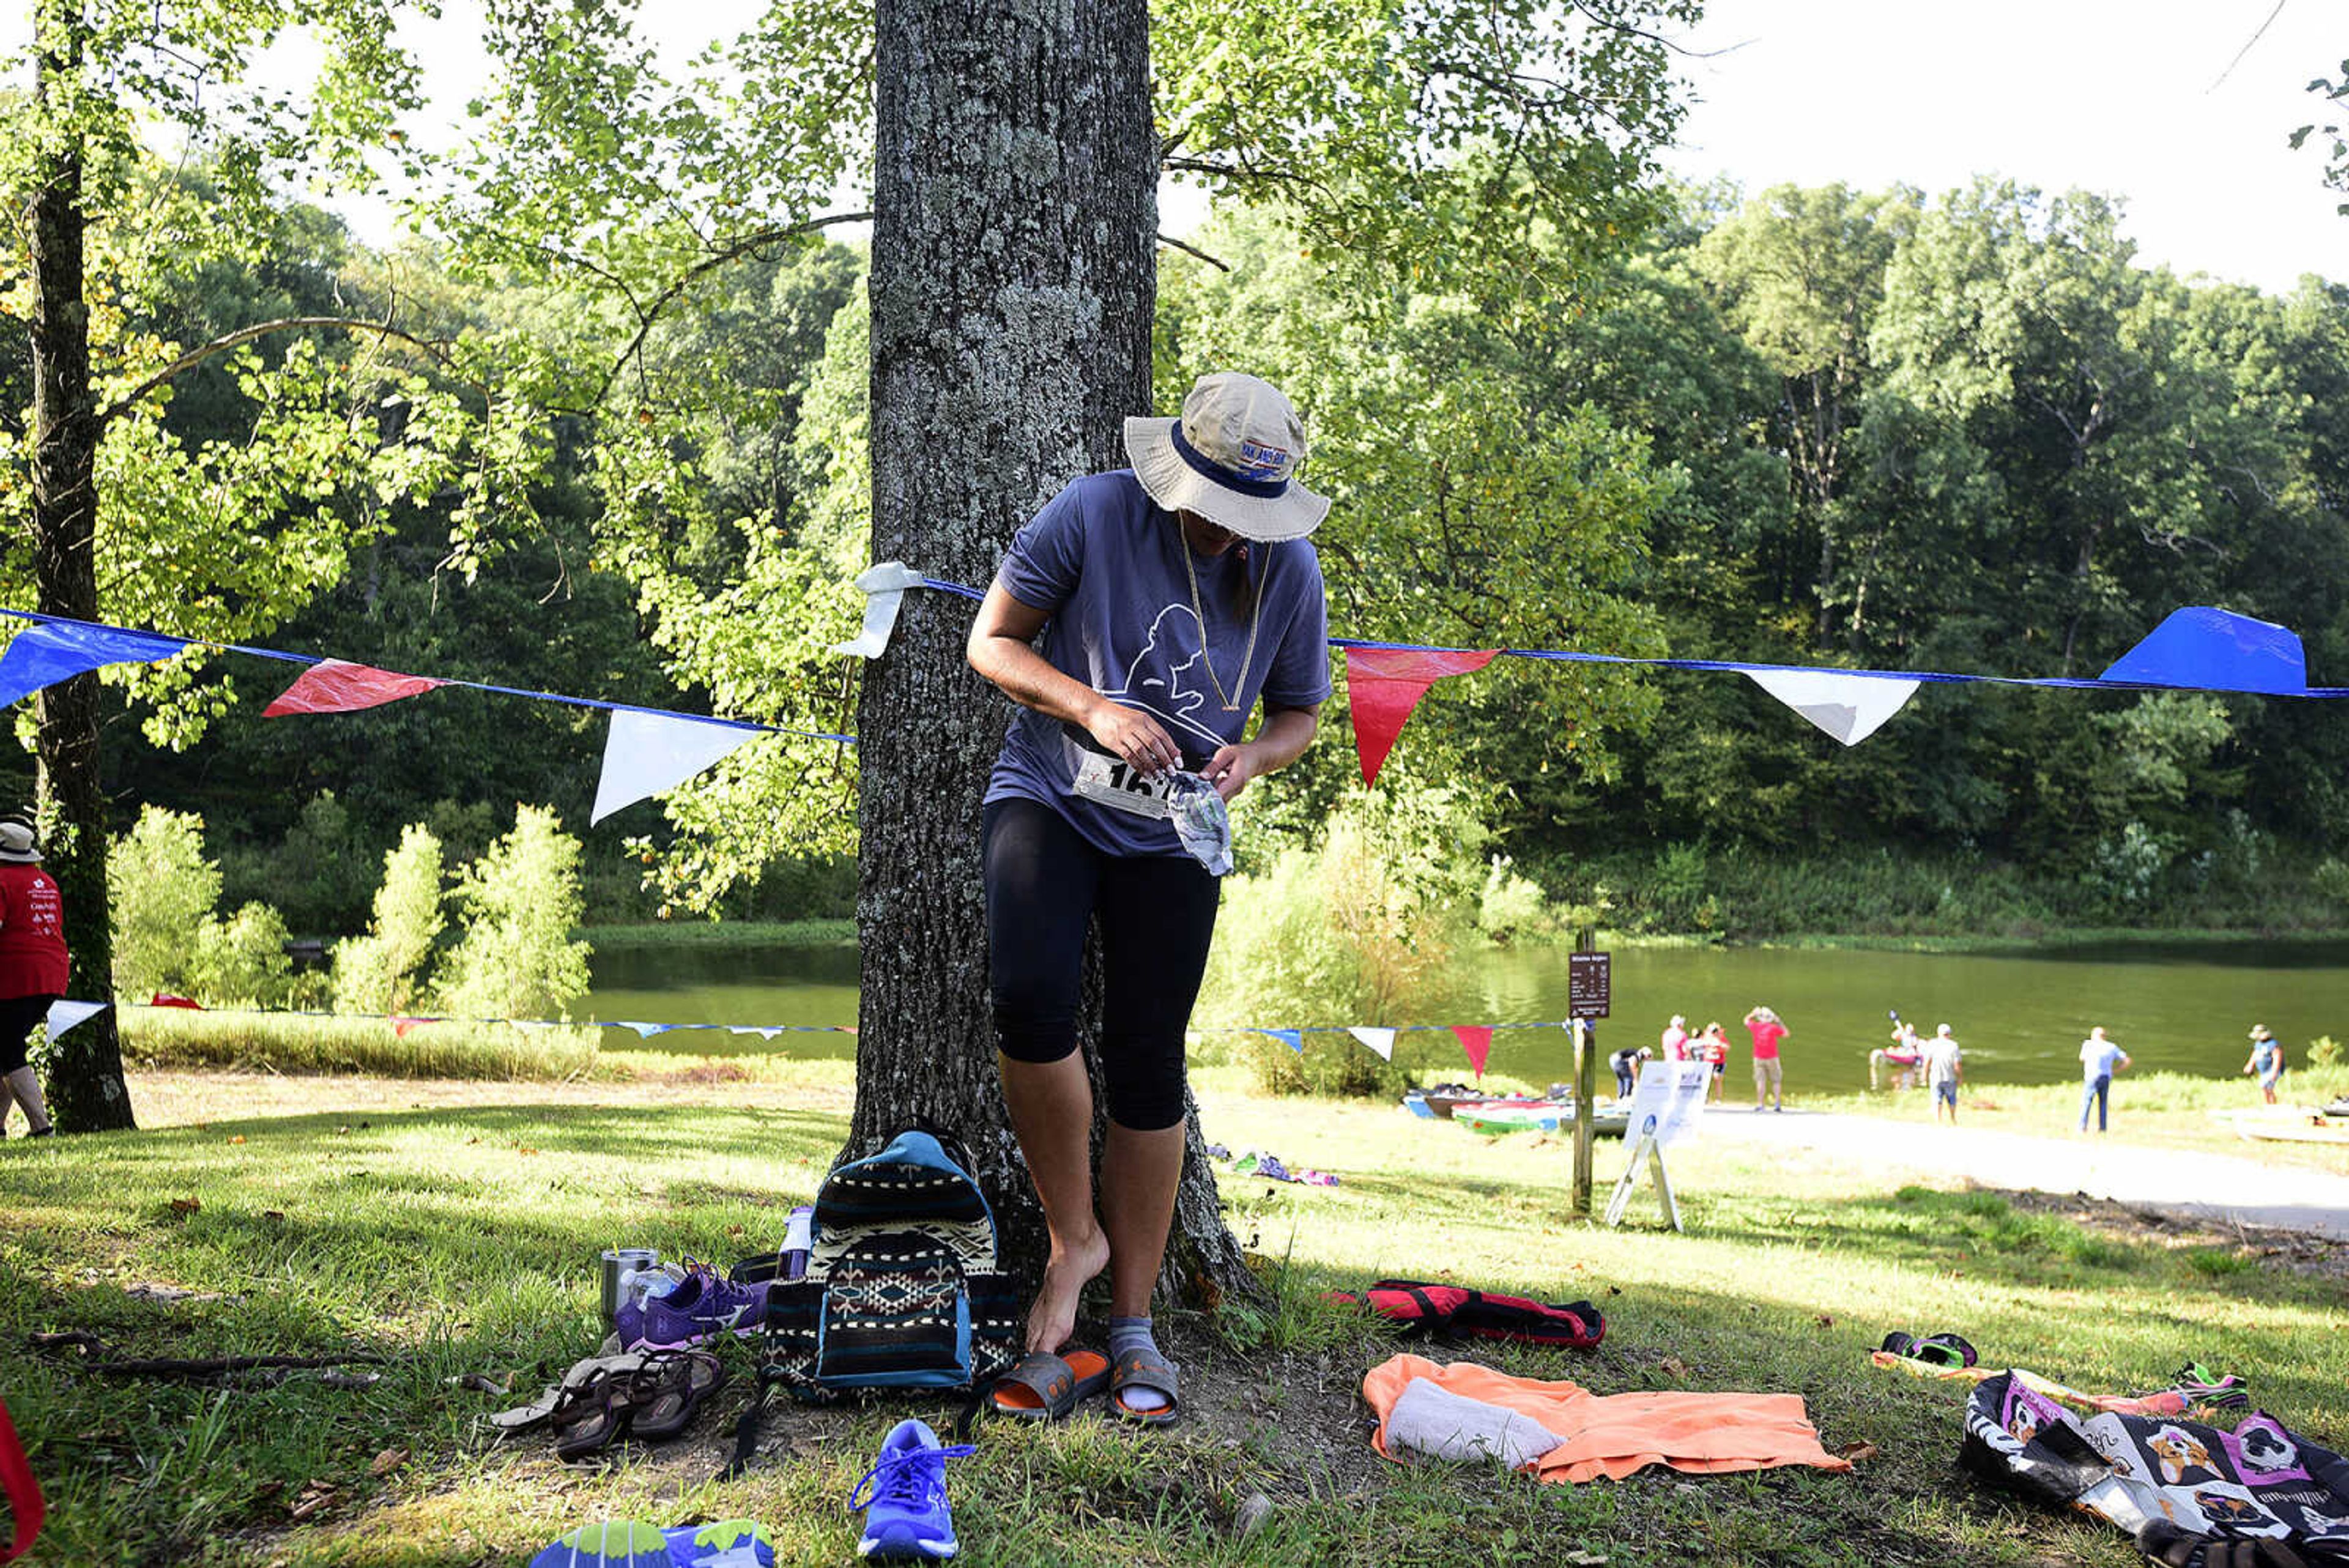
point(698, 1307)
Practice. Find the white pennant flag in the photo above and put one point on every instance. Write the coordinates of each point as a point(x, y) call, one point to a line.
point(1379, 1039)
point(885, 585)
point(1849, 707)
point(645, 753)
point(64, 1015)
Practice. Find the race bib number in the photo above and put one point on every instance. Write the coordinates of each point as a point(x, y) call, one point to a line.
point(1113, 783)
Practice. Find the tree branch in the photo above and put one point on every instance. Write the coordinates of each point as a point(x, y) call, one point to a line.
point(650, 312)
point(1164, 239)
point(243, 335)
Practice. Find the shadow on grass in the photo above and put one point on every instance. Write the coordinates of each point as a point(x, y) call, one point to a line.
point(431, 1234)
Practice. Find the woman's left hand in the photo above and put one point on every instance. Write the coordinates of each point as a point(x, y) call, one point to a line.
point(1230, 769)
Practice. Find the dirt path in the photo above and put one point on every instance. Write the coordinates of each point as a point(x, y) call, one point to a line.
point(2202, 1185)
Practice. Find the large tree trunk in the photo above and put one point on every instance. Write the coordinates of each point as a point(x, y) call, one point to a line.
point(1012, 287)
point(83, 1072)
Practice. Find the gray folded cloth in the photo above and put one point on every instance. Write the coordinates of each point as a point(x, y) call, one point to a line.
point(1434, 1422)
point(1201, 822)
point(524, 1417)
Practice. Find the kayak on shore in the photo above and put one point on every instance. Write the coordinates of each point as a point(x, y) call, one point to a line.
point(2286, 1124)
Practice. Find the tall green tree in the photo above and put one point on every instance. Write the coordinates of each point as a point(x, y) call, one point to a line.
point(1015, 152)
point(126, 521)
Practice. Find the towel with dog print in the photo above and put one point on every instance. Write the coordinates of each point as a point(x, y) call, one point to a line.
point(2258, 1482)
point(1611, 1436)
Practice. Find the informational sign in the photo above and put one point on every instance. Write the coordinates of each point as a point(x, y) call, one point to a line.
point(1665, 1107)
point(1588, 977)
point(1669, 1100)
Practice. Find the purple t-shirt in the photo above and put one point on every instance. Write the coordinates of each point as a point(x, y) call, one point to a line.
point(1105, 563)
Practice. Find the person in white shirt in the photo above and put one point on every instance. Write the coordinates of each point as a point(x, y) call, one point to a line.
point(1944, 1066)
point(2099, 1059)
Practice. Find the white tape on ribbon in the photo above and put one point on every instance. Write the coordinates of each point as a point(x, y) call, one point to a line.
point(884, 587)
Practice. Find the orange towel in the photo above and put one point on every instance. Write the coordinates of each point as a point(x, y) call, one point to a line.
point(1616, 1434)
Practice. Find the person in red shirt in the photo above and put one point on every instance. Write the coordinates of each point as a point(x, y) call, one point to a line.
point(1712, 1046)
point(31, 965)
point(1768, 1075)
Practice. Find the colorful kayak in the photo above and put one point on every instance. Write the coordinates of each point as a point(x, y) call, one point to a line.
point(1495, 1117)
point(2280, 1124)
point(1441, 1101)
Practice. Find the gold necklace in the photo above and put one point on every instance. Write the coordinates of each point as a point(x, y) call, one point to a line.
point(1255, 618)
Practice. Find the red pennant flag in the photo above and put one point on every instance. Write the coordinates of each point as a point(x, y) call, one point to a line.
point(1476, 1039)
point(22, 1490)
point(400, 1025)
point(165, 999)
point(1385, 684)
point(332, 686)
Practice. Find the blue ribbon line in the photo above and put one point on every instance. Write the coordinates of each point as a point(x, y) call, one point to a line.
point(945, 585)
point(313, 660)
point(398, 1018)
point(642, 1025)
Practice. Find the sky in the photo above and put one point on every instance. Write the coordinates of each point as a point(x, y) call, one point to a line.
point(2125, 97)
point(2144, 100)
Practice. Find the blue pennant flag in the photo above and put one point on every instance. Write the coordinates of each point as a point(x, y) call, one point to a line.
point(2216, 650)
point(57, 650)
point(644, 1031)
point(1293, 1038)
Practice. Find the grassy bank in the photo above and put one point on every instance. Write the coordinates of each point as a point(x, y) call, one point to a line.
point(726, 933)
point(453, 1230)
point(295, 1043)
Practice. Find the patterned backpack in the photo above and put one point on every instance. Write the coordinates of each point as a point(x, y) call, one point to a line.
point(903, 1288)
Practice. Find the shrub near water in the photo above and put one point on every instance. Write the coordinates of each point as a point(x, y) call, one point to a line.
point(1356, 931)
point(162, 893)
point(383, 971)
point(520, 902)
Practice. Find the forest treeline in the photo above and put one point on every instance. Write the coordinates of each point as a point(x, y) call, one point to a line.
point(1966, 433)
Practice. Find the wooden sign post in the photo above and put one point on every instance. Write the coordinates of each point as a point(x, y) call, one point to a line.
point(1588, 975)
point(1586, 998)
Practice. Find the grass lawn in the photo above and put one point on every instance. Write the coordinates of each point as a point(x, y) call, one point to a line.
point(452, 1228)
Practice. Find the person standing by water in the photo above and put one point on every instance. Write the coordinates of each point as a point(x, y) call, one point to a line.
point(2267, 1060)
point(1712, 1046)
point(1768, 1072)
point(1674, 1041)
point(1168, 598)
point(1945, 1069)
point(2100, 1059)
point(33, 965)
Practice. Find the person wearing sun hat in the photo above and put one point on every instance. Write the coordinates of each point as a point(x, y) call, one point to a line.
point(2267, 1061)
point(33, 964)
point(1137, 620)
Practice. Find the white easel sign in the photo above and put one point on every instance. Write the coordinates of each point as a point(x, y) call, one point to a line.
point(1672, 1093)
point(1664, 1108)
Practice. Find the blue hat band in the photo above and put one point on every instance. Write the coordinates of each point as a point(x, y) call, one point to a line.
point(1261, 489)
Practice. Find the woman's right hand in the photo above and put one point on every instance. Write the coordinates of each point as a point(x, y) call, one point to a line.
point(1134, 736)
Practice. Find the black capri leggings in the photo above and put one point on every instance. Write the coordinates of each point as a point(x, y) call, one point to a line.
point(17, 1016)
point(1157, 914)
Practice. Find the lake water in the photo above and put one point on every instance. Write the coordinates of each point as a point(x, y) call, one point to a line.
point(2019, 1015)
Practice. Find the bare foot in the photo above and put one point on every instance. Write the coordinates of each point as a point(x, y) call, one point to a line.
point(1053, 1318)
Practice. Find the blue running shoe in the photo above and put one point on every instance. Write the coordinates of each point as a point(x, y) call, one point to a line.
point(699, 1306)
point(906, 1512)
point(730, 1543)
point(613, 1543)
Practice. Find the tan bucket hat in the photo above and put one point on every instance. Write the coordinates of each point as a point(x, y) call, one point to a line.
point(17, 845)
point(1232, 458)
